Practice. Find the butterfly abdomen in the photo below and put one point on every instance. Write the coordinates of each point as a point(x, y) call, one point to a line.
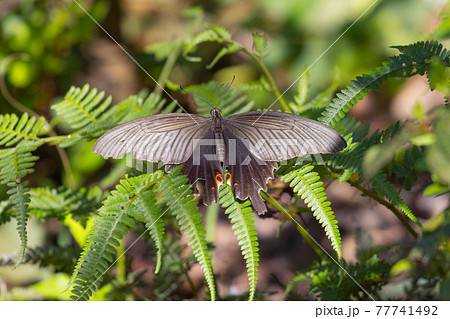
point(220, 147)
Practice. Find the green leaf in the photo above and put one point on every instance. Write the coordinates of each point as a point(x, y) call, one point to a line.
point(13, 129)
point(306, 183)
point(109, 228)
point(242, 218)
point(260, 44)
point(147, 211)
point(413, 59)
point(15, 164)
point(386, 189)
point(229, 49)
point(82, 107)
point(177, 193)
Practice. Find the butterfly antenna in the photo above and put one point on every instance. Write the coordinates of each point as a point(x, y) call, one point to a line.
point(224, 92)
point(196, 97)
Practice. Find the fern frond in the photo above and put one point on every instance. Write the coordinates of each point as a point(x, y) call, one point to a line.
point(46, 202)
point(386, 189)
point(213, 34)
point(230, 103)
point(15, 164)
point(351, 158)
point(147, 211)
point(177, 192)
point(19, 196)
point(241, 216)
point(108, 230)
point(258, 85)
point(59, 258)
point(413, 59)
point(13, 129)
point(145, 104)
point(82, 107)
point(307, 185)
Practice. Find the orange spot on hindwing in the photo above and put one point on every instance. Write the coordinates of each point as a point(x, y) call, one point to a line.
point(228, 178)
point(219, 179)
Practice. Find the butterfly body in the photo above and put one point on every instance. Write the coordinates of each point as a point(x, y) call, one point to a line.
point(247, 146)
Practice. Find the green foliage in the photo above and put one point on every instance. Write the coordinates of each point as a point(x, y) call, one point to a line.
point(361, 281)
point(306, 183)
point(146, 210)
point(174, 267)
point(177, 193)
point(229, 102)
point(59, 258)
point(241, 216)
point(413, 59)
point(82, 107)
point(15, 164)
point(48, 202)
point(422, 274)
point(13, 130)
point(109, 228)
point(382, 186)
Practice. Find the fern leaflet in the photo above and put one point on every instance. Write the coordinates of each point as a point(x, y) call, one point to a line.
point(147, 211)
point(177, 193)
point(13, 129)
point(241, 216)
point(15, 164)
point(307, 185)
point(81, 107)
point(383, 187)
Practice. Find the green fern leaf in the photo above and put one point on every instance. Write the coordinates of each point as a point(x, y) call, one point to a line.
point(82, 107)
point(413, 59)
point(241, 216)
point(177, 193)
point(307, 185)
point(15, 164)
point(229, 49)
point(383, 187)
point(147, 211)
point(48, 202)
point(216, 34)
point(231, 102)
point(109, 228)
point(13, 129)
point(258, 85)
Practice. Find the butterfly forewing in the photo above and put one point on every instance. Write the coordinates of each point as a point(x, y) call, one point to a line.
point(276, 136)
point(163, 137)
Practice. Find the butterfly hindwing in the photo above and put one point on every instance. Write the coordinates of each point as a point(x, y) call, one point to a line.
point(203, 164)
point(249, 175)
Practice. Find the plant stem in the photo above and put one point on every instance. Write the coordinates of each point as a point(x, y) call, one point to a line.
point(212, 214)
point(168, 66)
point(269, 78)
point(317, 249)
point(121, 262)
point(379, 199)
